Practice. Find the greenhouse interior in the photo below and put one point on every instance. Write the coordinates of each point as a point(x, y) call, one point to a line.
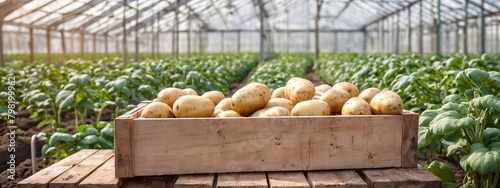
point(81, 78)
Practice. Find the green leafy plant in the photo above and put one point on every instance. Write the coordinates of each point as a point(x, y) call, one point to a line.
point(466, 128)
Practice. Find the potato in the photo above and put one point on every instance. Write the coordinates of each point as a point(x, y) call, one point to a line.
point(335, 98)
point(387, 103)
point(157, 110)
point(311, 108)
point(285, 103)
point(368, 94)
point(271, 111)
point(356, 106)
point(250, 98)
point(278, 93)
point(323, 88)
point(275, 111)
point(217, 111)
point(228, 113)
point(170, 95)
point(319, 93)
point(224, 104)
point(193, 106)
point(299, 89)
point(214, 96)
point(350, 88)
point(190, 91)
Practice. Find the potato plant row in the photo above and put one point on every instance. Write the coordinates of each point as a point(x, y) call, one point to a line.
point(299, 97)
point(277, 71)
point(422, 82)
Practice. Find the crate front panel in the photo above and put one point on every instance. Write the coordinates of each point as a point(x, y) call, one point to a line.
point(209, 145)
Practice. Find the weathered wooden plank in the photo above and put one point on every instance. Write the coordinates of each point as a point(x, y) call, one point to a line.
point(409, 140)
point(73, 176)
point(263, 144)
point(124, 156)
point(242, 180)
point(195, 181)
point(150, 182)
point(102, 177)
point(335, 179)
point(287, 180)
point(411, 178)
point(46, 175)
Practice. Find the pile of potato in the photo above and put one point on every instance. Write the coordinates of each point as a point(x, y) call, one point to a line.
point(298, 98)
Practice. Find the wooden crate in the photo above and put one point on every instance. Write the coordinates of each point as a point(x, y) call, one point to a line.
point(95, 169)
point(148, 147)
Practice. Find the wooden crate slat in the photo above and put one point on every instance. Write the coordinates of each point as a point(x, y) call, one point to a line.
point(102, 177)
point(410, 139)
point(336, 179)
point(266, 144)
point(124, 158)
point(75, 175)
point(411, 178)
point(195, 181)
point(44, 176)
point(242, 180)
point(150, 182)
point(287, 180)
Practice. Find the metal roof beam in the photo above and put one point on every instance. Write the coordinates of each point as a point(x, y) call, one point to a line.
point(32, 11)
point(104, 14)
point(8, 7)
point(341, 11)
point(219, 13)
point(392, 14)
point(75, 13)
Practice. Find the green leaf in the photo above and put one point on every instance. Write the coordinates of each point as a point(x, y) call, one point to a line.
point(38, 98)
point(455, 98)
point(49, 151)
point(442, 171)
point(64, 98)
point(120, 84)
point(484, 102)
point(106, 144)
point(91, 131)
point(449, 185)
point(62, 130)
point(456, 147)
point(449, 124)
point(42, 123)
point(481, 159)
point(424, 138)
point(42, 136)
point(66, 137)
point(89, 140)
point(81, 128)
point(54, 138)
point(426, 117)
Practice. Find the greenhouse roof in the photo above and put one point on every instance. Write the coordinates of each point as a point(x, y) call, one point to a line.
point(109, 16)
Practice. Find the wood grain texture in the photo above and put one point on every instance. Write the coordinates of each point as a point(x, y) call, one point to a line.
point(242, 180)
point(410, 139)
point(335, 179)
point(287, 180)
point(102, 177)
point(124, 156)
point(195, 181)
point(73, 176)
point(43, 177)
point(408, 178)
point(150, 182)
point(183, 146)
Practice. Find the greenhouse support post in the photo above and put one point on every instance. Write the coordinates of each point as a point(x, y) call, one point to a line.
point(94, 45)
point(457, 37)
point(396, 46)
point(222, 41)
point(189, 34)
point(261, 16)
point(421, 30)
point(106, 44)
point(137, 31)
point(2, 63)
point(496, 36)
point(466, 24)
point(48, 44)
point(438, 29)
point(239, 42)
point(82, 43)
point(31, 45)
point(483, 29)
point(124, 33)
point(316, 24)
point(409, 29)
point(63, 45)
